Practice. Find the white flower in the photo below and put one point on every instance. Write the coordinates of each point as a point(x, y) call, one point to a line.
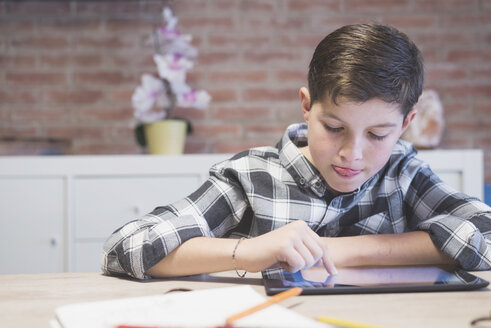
point(171, 41)
point(180, 87)
point(150, 99)
point(169, 17)
point(203, 99)
point(156, 97)
point(173, 68)
point(197, 99)
point(178, 44)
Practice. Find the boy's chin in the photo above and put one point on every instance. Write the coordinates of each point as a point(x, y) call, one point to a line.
point(345, 186)
point(346, 189)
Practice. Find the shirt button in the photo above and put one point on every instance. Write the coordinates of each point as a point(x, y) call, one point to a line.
point(302, 181)
point(317, 184)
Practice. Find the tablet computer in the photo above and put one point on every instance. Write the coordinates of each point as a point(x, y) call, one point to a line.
point(373, 280)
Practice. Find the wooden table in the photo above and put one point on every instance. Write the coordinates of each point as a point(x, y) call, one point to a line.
point(29, 300)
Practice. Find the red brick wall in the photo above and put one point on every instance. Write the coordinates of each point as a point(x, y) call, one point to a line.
point(68, 68)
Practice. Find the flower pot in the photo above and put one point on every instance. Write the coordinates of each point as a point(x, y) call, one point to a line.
point(166, 137)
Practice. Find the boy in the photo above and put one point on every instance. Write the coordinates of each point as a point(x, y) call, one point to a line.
point(340, 189)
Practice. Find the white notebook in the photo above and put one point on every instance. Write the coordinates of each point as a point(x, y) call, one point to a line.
point(201, 308)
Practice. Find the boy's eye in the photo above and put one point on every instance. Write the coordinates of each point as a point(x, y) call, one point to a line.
point(332, 129)
point(376, 136)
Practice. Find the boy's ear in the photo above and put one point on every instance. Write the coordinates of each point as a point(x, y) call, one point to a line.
point(409, 117)
point(304, 95)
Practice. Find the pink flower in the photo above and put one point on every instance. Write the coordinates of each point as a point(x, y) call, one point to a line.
point(156, 97)
point(149, 99)
point(195, 99)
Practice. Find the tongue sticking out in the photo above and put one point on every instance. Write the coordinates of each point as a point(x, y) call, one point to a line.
point(345, 171)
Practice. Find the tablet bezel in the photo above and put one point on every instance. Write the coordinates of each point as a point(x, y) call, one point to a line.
point(471, 282)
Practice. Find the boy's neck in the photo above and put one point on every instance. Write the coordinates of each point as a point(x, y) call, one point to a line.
point(305, 152)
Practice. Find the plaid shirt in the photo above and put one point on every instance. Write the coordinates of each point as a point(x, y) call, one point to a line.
point(264, 188)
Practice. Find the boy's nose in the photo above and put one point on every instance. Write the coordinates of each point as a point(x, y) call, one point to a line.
point(351, 150)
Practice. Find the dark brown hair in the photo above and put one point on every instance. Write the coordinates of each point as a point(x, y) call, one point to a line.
point(365, 61)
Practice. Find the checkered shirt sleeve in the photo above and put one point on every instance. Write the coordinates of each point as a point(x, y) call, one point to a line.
point(459, 225)
point(211, 211)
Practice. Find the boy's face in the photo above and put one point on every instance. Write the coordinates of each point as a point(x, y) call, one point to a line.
point(350, 142)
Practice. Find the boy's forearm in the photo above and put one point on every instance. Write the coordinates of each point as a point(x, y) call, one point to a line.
point(411, 248)
point(293, 246)
point(195, 256)
point(206, 255)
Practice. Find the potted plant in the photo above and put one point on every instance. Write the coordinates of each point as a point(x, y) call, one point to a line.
point(155, 100)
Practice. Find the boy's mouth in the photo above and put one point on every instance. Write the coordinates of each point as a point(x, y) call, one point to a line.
point(345, 172)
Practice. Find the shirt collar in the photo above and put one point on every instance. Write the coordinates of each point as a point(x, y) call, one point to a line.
point(302, 171)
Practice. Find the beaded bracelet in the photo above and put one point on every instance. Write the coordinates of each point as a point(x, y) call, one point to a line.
point(233, 260)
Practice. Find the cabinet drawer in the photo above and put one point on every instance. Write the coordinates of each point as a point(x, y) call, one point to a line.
point(31, 224)
point(102, 204)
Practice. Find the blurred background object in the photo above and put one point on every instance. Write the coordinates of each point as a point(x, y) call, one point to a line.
point(426, 129)
point(156, 100)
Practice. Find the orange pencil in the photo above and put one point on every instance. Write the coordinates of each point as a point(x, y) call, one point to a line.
point(272, 300)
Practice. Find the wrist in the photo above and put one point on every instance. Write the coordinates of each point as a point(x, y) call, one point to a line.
point(248, 256)
point(344, 251)
point(235, 262)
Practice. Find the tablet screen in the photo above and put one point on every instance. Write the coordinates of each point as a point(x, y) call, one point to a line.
point(373, 279)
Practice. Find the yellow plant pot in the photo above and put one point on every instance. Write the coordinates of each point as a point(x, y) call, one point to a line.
point(166, 137)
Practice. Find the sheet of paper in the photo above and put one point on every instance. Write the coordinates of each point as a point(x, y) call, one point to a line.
point(201, 308)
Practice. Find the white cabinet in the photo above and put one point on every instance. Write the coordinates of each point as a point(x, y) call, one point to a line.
point(32, 212)
point(102, 204)
point(107, 202)
point(56, 212)
point(462, 169)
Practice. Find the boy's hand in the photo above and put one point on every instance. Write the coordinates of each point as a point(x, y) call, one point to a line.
point(294, 247)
